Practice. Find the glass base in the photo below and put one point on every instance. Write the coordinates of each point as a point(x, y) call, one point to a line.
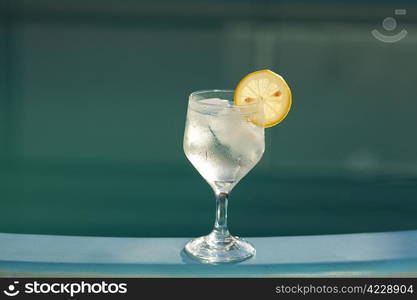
point(233, 249)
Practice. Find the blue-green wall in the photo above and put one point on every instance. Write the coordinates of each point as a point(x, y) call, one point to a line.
point(93, 103)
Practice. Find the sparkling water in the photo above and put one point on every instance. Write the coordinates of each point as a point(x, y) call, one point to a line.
point(221, 143)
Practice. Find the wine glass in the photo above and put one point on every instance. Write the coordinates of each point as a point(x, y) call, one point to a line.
point(223, 145)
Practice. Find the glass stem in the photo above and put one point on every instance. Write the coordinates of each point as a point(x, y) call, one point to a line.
point(220, 237)
point(220, 225)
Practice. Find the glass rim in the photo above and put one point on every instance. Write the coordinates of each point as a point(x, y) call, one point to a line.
point(253, 106)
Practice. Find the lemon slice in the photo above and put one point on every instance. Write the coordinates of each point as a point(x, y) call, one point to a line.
point(269, 93)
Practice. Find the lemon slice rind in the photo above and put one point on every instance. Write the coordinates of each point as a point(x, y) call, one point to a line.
point(269, 92)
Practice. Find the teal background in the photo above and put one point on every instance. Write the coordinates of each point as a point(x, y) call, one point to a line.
point(93, 98)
